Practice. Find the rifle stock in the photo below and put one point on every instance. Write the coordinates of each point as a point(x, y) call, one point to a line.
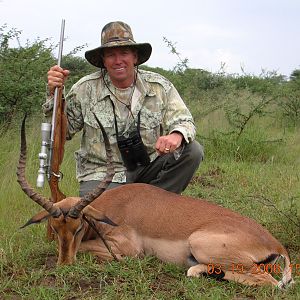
point(59, 126)
point(57, 141)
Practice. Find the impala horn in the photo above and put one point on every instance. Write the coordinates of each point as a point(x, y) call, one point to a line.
point(46, 203)
point(91, 196)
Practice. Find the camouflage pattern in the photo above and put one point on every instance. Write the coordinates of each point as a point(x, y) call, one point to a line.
point(114, 34)
point(162, 112)
point(117, 34)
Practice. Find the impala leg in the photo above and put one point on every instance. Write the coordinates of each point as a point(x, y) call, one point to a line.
point(98, 248)
point(196, 270)
point(220, 252)
point(244, 278)
point(251, 278)
point(122, 240)
point(125, 240)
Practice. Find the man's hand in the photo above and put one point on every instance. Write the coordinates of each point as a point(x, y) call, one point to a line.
point(56, 78)
point(168, 143)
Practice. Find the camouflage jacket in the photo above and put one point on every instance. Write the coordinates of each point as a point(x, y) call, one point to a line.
point(161, 108)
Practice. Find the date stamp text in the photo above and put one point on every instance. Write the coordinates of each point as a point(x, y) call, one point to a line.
point(239, 268)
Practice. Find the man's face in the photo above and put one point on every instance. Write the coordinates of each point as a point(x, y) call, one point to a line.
point(119, 63)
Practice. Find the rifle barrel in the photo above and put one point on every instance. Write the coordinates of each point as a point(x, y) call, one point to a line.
point(61, 42)
point(56, 92)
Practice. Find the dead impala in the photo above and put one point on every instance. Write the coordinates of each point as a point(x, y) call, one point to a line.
point(139, 219)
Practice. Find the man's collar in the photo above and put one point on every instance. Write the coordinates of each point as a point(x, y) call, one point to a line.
point(142, 85)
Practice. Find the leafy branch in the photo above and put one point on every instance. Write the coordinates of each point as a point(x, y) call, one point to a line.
point(182, 64)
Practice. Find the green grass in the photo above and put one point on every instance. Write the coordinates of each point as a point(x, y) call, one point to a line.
point(267, 190)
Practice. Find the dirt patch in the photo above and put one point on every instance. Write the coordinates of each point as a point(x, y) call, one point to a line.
point(48, 281)
point(10, 296)
point(209, 179)
point(50, 262)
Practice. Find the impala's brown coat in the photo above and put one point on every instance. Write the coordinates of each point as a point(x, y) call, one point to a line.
point(140, 219)
point(178, 229)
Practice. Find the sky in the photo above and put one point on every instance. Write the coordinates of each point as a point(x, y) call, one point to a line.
point(255, 36)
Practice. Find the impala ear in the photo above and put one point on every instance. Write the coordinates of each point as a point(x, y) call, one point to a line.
point(97, 215)
point(38, 218)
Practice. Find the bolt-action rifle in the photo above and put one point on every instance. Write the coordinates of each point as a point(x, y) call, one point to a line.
point(53, 140)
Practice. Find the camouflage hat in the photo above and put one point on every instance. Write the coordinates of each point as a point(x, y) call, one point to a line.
point(117, 34)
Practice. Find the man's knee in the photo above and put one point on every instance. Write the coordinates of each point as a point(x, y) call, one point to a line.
point(195, 153)
point(88, 186)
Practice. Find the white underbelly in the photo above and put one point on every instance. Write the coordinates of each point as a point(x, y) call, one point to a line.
point(167, 250)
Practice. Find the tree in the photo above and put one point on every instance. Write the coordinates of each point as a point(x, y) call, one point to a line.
point(295, 75)
point(22, 75)
point(78, 68)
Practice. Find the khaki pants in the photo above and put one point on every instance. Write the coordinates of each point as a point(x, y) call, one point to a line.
point(165, 171)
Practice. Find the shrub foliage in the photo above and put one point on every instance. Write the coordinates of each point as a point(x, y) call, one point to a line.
point(233, 102)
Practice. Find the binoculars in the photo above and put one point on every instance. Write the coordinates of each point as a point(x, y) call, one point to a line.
point(133, 151)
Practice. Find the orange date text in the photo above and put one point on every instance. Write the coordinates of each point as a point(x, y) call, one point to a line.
point(239, 268)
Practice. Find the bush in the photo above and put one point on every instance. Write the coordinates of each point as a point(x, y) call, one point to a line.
point(23, 71)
